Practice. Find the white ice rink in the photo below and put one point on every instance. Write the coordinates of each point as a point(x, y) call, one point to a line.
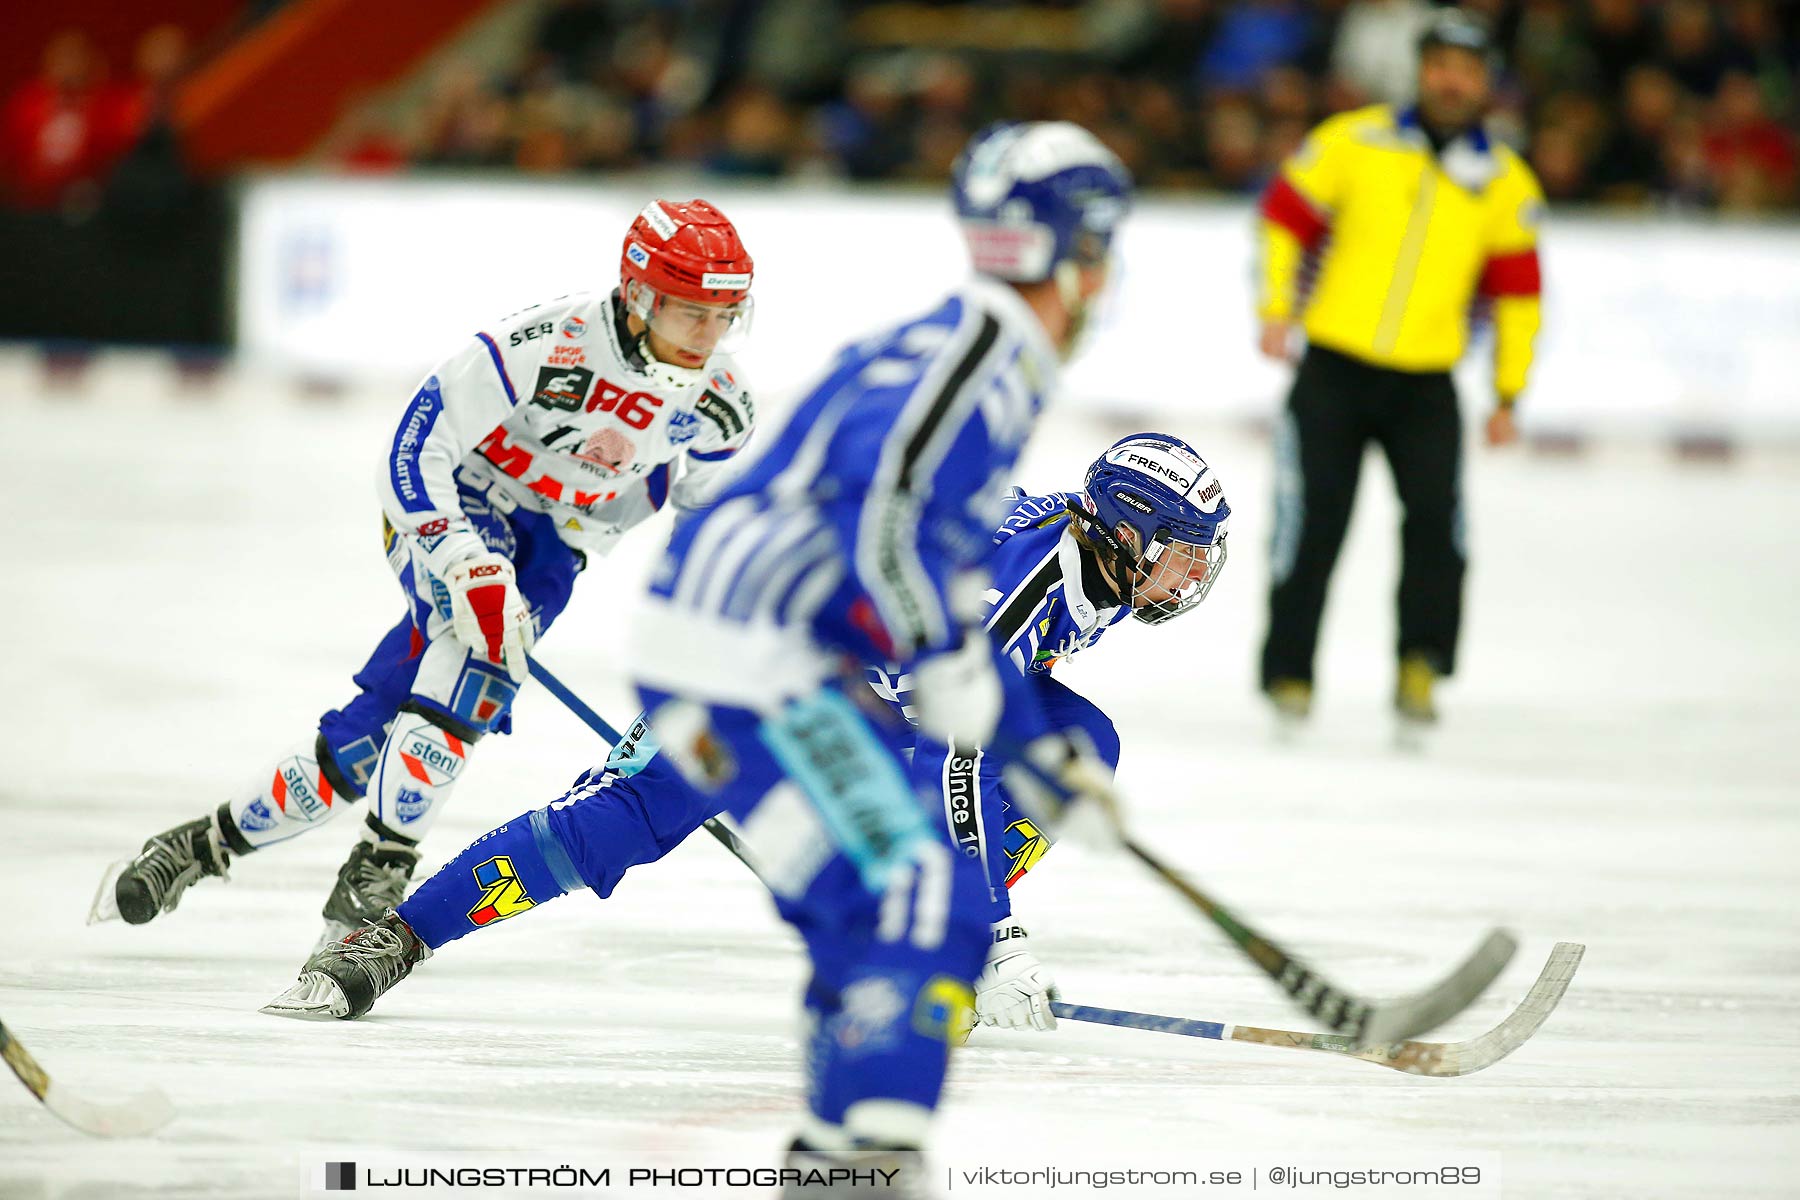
point(186, 583)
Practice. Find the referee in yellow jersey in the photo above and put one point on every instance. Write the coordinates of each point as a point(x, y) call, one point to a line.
point(1379, 237)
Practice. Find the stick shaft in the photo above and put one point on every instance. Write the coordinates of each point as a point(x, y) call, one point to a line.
point(573, 703)
point(23, 1065)
point(1313, 993)
point(1337, 1008)
point(1437, 1059)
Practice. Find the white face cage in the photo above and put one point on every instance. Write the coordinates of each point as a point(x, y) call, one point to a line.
point(1173, 577)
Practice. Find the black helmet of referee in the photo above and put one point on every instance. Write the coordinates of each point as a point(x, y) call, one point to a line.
point(1455, 28)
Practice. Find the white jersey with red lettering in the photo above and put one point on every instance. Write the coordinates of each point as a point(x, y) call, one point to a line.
point(553, 410)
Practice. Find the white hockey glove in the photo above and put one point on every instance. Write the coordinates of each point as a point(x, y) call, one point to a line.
point(956, 695)
point(487, 613)
point(1065, 783)
point(1014, 990)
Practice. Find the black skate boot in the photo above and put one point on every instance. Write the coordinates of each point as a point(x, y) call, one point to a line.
point(167, 866)
point(891, 1172)
point(371, 881)
point(346, 978)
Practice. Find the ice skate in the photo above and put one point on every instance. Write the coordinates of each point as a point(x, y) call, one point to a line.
point(344, 979)
point(1292, 702)
point(1413, 701)
point(894, 1172)
point(139, 889)
point(371, 881)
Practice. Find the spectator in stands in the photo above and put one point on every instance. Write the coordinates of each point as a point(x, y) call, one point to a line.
point(796, 47)
point(946, 115)
point(1689, 178)
point(366, 142)
point(603, 137)
point(151, 182)
point(756, 135)
point(1693, 49)
point(1234, 157)
point(575, 37)
point(1750, 155)
point(658, 81)
point(465, 122)
point(1619, 38)
point(1252, 37)
point(57, 135)
point(160, 57)
point(1561, 163)
point(543, 117)
point(1168, 152)
point(1167, 43)
point(1623, 101)
point(1769, 49)
point(1550, 53)
point(1629, 168)
point(869, 130)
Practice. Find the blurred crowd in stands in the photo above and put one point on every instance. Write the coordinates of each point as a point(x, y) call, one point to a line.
point(77, 130)
point(99, 209)
point(1666, 103)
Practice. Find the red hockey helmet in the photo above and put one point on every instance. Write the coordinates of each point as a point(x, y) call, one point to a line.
point(689, 250)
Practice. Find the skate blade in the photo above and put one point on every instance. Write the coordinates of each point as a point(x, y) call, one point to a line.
point(1412, 736)
point(106, 903)
point(315, 996)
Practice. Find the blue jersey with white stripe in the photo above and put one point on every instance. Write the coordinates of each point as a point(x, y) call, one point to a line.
point(1047, 599)
point(881, 490)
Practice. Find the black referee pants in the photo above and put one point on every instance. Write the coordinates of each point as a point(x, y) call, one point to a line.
point(1337, 406)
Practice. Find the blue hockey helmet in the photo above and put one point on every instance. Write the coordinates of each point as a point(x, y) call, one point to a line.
point(1158, 515)
point(1033, 195)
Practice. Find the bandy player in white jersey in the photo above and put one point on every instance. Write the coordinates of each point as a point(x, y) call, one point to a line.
point(533, 447)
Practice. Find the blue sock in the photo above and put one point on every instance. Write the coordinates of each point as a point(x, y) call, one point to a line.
point(505, 872)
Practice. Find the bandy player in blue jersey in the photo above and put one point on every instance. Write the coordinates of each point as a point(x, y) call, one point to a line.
point(1144, 537)
point(861, 536)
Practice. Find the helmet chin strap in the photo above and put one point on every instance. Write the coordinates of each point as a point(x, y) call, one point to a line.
point(667, 373)
point(1113, 554)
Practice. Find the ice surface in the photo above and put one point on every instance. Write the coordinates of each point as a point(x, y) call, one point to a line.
point(185, 584)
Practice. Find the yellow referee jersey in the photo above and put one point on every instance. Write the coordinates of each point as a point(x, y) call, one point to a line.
point(1384, 247)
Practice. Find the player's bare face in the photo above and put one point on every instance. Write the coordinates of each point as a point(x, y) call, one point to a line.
point(1453, 87)
point(1078, 303)
point(1094, 279)
point(685, 333)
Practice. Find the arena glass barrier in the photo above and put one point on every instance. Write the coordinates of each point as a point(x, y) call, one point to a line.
point(1653, 326)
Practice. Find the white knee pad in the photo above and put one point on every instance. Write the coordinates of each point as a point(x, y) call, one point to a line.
point(286, 800)
point(419, 767)
point(475, 694)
